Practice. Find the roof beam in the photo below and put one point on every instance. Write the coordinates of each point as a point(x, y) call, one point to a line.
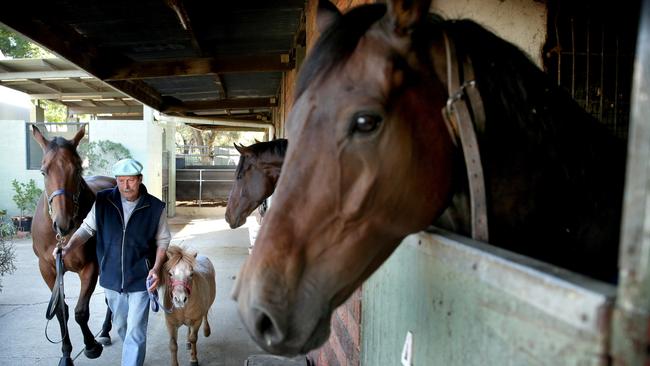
point(116, 109)
point(6, 76)
point(201, 66)
point(70, 45)
point(242, 103)
point(86, 95)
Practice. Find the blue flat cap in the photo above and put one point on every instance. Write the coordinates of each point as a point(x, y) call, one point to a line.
point(126, 167)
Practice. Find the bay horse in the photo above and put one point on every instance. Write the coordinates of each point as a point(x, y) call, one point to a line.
point(190, 289)
point(373, 159)
point(65, 202)
point(255, 178)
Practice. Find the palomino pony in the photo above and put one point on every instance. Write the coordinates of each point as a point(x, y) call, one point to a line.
point(256, 176)
point(190, 287)
point(65, 202)
point(372, 159)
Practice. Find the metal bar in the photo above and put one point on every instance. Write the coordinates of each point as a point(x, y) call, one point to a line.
point(573, 59)
point(616, 87)
point(602, 71)
point(200, 186)
point(587, 106)
point(632, 312)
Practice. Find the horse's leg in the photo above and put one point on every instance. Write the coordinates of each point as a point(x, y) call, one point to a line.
point(49, 276)
point(172, 329)
point(105, 336)
point(88, 277)
point(206, 326)
point(192, 338)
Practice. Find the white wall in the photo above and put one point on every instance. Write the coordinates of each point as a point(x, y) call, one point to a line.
point(13, 165)
point(143, 138)
point(522, 22)
point(14, 105)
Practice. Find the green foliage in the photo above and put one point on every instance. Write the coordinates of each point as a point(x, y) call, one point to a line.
point(54, 112)
point(26, 196)
point(7, 253)
point(14, 46)
point(101, 155)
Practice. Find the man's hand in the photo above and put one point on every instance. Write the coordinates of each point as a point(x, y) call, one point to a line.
point(153, 274)
point(64, 251)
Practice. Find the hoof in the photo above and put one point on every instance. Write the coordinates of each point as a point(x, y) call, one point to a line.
point(66, 361)
point(94, 351)
point(104, 340)
point(194, 363)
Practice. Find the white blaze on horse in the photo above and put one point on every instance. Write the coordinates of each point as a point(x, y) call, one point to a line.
point(190, 288)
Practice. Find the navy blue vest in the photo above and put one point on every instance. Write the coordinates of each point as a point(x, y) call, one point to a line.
point(126, 254)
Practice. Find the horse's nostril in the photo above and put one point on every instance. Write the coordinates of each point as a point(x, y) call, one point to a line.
point(268, 330)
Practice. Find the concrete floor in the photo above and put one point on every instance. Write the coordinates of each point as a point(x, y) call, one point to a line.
point(24, 299)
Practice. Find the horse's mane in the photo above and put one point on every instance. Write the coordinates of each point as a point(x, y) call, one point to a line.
point(336, 43)
point(277, 147)
point(177, 254)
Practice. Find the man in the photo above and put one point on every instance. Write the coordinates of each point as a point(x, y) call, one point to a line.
point(132, 232)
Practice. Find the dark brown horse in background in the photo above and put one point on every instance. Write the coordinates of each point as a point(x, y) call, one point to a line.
point(372, 160)
point(65, 202)
point(255, 178)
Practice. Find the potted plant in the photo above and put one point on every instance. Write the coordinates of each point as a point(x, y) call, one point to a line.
point(26, 197)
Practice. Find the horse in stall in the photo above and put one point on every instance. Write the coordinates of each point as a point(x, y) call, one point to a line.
point(65, 202)
point(190, 287)
point(255, 178)
point(372, 159)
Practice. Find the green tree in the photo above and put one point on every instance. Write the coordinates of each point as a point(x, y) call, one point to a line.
point(7, 253)
point(16, 46)
point(26, 196)
point(101, 155)
point(54, 112)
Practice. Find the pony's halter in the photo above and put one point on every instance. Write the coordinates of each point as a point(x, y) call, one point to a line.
point(462, 129)
point(185, 283)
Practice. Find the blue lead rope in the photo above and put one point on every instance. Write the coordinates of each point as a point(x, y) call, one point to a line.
point(153, 299)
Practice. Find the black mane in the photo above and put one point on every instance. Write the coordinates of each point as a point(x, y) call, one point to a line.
point(277, 147)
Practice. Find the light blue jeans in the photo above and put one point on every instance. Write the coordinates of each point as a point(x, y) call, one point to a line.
point(130, 318)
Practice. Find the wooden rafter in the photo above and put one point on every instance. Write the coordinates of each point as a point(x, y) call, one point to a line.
point(200, 66)
point(219, 104)
point(72, 46)
point(131, 109)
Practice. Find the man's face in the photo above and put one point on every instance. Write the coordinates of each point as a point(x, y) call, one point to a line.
point(129, 186)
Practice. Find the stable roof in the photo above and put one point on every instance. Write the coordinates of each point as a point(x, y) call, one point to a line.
point(183, 58)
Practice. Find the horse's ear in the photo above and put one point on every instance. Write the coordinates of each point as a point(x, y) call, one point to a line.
point(38, 136)
point(405, 14)
point(242, 149)
point(257, 142)
point(78, 136)
point(326, 15)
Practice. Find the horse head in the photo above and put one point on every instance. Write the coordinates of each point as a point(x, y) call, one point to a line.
point(370, 161)
point(61, 169)
point(256, 176)
point(177, 275)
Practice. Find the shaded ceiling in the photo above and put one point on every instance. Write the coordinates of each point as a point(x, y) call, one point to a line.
point(183, 58)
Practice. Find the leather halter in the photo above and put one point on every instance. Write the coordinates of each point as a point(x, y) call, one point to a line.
point(63, 192)
point(459, 122)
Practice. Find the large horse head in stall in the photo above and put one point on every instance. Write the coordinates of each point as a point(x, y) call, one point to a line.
point(372, 159)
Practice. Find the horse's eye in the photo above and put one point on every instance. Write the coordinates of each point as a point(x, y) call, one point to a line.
point(365, 122)
point(42, 172)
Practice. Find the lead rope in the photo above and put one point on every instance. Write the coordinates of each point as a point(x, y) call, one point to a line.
point(57, 300)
